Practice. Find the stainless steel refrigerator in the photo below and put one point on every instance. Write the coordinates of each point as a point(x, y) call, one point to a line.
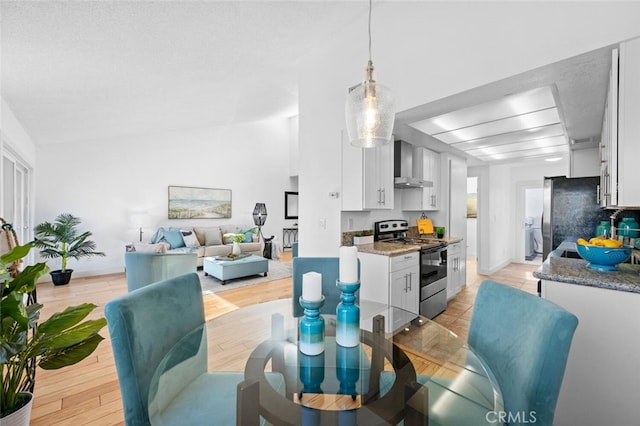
point(570, 210)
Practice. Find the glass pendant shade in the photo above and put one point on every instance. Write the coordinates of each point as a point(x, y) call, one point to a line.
point(370, 114)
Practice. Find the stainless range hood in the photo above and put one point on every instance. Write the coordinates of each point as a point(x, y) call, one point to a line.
point(407, 169)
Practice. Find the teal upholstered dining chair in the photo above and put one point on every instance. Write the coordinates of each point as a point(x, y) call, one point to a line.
point(144, 325)
point(145, 268)
point(525, 341)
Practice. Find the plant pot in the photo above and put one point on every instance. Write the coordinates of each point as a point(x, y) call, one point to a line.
point(60, 277)
point(22, 416)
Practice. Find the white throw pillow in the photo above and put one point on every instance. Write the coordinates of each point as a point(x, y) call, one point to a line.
point(150, 248)
point(213, 237)
point(189, 237)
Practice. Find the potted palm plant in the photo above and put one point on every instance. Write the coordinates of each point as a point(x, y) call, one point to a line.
point(61, 340)
point(63, 239)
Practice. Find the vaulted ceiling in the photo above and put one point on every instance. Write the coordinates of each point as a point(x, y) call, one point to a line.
point(83, 71)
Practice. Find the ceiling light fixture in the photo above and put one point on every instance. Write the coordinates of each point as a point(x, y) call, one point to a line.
point(553, 159)
point(370, 110)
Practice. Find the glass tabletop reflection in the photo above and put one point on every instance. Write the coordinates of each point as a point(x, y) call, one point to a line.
point(417, 371)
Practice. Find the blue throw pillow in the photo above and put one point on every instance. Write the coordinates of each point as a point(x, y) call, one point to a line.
point(248, 235)
point(174, 238)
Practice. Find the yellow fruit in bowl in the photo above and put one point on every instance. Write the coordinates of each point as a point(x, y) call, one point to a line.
point(611, 243)
point(582, 242)
point(596, 241)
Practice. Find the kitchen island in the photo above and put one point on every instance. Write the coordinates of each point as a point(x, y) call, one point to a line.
point(575, 271)
point(600, 381)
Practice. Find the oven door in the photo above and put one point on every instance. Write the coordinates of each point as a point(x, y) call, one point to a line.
point(433, 265)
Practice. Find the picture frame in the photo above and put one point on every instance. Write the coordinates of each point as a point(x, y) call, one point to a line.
point(290, 205)
point(186, 202)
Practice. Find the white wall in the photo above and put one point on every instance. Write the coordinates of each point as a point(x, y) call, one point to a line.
point(424, 52)
point(103, 183)
point(14, 135)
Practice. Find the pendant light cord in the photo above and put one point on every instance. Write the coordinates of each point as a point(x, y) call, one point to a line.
point(370, 30)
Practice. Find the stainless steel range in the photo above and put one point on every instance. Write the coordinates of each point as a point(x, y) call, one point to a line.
point(433, 264)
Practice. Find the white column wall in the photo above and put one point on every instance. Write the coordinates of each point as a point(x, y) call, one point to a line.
point(424, 52)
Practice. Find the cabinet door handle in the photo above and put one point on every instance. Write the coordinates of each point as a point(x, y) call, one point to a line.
point(405, 283)
point(379, 196)
point(410, 281)
point(384, 197)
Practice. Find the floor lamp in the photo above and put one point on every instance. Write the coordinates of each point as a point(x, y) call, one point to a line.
point(259, 217)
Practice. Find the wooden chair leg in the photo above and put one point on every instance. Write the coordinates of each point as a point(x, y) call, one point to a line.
point(248, 403)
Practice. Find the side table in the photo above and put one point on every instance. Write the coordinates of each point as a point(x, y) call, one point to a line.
point(289, 235)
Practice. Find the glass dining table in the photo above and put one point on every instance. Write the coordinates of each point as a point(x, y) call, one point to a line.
point(419, 373)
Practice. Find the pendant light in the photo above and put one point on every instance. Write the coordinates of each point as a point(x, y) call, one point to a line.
point(370, 110)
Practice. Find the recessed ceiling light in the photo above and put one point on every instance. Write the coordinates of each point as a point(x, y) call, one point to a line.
point(553, 159)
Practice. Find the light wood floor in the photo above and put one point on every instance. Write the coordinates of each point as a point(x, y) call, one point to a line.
point(88, 394)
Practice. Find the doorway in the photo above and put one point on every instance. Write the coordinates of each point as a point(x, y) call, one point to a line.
point(472, 217)
point(530, 218)
point(15, 189)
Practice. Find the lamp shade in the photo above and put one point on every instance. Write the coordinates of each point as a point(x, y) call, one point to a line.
point(370, 115)
point(259, 214)
point(140, 219)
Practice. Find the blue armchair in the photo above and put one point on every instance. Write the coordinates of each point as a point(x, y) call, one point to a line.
point(145, 268)
point(525, 341)
point(144, 325)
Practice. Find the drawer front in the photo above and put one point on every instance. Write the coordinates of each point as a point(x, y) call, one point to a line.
point(403, 261)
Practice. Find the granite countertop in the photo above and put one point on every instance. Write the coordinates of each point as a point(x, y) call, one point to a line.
point(396, 249)
point(576, 271)
point(388, 249)
point(450, 240)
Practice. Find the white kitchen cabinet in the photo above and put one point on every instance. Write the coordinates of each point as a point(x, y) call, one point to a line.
point(427, 165)
point(602, 368)
point(456, 268)
point(392, 280)
point(619, 147)
point(367, 177)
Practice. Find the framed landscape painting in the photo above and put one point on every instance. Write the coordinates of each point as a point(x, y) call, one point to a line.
point(199, 203)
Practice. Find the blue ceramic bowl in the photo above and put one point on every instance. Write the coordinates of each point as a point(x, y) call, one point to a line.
point(603, 257)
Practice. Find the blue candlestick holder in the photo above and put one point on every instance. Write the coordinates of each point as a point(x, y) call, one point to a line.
point(311, 373)
point(347, 315)
point(311, 327)
point(348, 369)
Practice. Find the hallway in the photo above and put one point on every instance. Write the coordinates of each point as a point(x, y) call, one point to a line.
point(457, 316)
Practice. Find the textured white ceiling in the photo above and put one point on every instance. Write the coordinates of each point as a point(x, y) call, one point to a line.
point(74, 70)
point(102, 70)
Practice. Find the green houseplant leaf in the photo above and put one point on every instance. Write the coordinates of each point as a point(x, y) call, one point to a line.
point(62, 340)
